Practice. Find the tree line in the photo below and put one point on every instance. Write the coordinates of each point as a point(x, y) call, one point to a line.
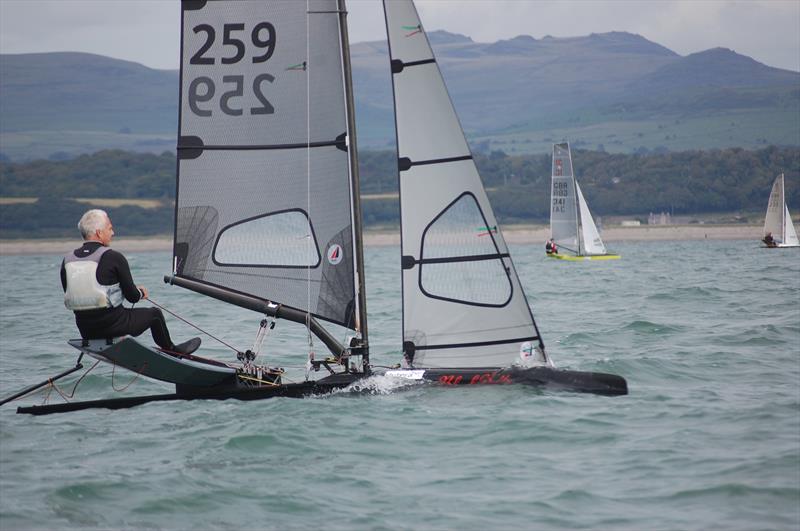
point(689, 182)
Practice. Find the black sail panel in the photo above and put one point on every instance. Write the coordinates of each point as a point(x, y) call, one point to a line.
point(264, 196)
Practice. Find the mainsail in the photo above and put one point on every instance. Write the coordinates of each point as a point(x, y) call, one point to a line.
point(778, 221)
point(463, 305)
point(773, 223)
point(265, 187)
point(563, 207)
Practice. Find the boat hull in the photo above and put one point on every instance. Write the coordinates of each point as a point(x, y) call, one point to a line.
point(543, 377)
point(202, 379)
point(235, 392)
point(129, 353)
point(581, 258)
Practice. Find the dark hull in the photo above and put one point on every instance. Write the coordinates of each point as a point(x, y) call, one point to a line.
point(545, 377)
point(541, 377)
point(290, 390)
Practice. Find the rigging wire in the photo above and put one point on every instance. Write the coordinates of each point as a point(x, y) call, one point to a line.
point(308, 188)
point(136, 377)
point(154, 303)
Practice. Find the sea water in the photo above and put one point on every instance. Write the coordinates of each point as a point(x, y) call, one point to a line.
point(706, 333)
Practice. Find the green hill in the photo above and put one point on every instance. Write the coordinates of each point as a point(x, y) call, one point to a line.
point(45, 198)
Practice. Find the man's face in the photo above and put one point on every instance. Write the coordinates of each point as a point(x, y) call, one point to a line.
point(105, 234)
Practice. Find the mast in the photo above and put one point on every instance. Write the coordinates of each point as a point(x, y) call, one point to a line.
point(361, 296)
point(577, 206)
point(783, 211)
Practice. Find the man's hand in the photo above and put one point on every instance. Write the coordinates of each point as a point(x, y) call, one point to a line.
point(143, 291)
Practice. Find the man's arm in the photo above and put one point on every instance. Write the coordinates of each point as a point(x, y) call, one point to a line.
point(118, 266)
point(63, 277)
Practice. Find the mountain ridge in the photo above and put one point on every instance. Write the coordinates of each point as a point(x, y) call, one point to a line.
point(614, 90)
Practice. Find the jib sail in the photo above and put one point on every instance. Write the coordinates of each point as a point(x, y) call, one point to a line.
point(463, 305)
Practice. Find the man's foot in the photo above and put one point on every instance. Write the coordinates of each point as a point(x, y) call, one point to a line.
point(187, 347)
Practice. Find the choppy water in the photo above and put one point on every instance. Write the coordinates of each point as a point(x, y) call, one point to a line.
point(706, 333)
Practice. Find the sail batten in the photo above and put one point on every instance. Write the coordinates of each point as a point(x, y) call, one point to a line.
point(265, 201)
point(338, 143)
point(463, 305)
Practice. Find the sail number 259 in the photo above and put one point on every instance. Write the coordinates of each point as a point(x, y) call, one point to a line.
point(202, 88)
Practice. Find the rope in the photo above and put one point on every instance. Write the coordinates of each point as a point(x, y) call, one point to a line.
point(154, 303)
point(74, 388)
point(113, 370)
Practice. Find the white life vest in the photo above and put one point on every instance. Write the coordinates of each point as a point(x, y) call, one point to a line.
point(84, 292)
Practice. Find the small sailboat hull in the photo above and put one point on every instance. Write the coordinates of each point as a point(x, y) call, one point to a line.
point(576, 258)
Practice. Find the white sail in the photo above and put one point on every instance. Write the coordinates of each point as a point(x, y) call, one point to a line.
point(463, 305)
point(791, 236)
point(591, 242)
point(563, 204)
point(773, 222)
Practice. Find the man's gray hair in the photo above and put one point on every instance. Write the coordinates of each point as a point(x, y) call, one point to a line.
point(92, 221)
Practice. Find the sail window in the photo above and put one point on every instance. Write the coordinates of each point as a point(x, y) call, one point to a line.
point(278, 239)
point(460, 261)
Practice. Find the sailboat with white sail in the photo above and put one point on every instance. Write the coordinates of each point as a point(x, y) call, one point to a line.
point(572, 227)
point(778, 227)
point(268, 215)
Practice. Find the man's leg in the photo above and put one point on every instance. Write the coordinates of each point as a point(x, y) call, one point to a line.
point(140, 319)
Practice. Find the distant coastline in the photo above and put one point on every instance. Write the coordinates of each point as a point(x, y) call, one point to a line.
point(516, 234)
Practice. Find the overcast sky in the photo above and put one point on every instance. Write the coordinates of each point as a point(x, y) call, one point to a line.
point(147, 31)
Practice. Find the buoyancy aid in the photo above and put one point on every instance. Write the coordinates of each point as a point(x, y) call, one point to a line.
point(84, 292)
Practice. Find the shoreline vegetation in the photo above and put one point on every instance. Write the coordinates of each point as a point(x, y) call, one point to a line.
point(514, 234)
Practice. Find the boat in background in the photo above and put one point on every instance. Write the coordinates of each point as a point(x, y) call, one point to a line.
point(778, 222)
point(571, 225)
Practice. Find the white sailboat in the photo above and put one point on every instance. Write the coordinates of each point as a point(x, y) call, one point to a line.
point(571, 225)
point(778, 227)
point(268, 215)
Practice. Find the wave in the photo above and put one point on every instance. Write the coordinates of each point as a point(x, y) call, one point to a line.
point(650, 327)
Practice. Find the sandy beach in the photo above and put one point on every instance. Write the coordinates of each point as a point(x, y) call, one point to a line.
point(517, 234)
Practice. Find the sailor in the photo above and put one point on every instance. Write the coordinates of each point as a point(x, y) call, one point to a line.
point(551, 247)
point(95, 279)
point(769, 240)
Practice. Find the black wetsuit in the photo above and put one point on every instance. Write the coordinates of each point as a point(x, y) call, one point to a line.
point(114, 322)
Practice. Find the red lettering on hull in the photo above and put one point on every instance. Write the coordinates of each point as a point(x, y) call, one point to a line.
point(450, 379)
point(486, 378)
